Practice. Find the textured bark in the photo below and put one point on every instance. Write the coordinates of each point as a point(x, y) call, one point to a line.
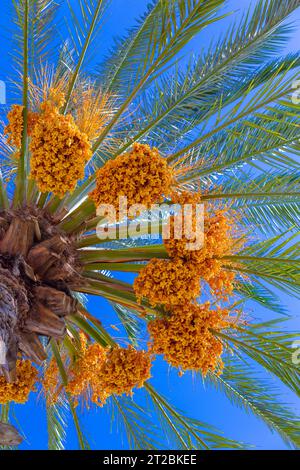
point(60, 303)
point(14, 308)
point(3, 227)
point(9, 312)
point(29, 271)
point(18, 238)
point(9, 436)
point(9, 368)
point(37, 263)
point(8, 323)
point(61, 272)
point(43, 321)
point(32, 348)
point(44, 255)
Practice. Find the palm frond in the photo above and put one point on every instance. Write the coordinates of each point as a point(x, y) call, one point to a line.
point(178, 102)
point(258, 395)
point(139, 428)
point(4, 201)
point(130, 322)
point(257, 186)
point(261, 198)
point(83, 444)
point(270, 349)
point(41, 32)
point(81, 17)
point(158, 37)
point(186, 433)
point(258, 292)
point(279, 245)
point(23, 14)
point(85, 23)
point(56, 425)
point(173, 25)
point(256, 116)
point(275, 260)
point(254, 39)
point(282, 214)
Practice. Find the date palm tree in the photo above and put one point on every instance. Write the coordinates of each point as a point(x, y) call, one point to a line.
point(227, 122)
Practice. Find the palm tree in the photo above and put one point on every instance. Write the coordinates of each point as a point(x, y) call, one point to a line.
point(226, 123)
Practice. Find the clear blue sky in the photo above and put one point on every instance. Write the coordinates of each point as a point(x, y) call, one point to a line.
point(189, 394)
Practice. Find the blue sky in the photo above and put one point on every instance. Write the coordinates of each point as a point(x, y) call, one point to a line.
point(187, 392)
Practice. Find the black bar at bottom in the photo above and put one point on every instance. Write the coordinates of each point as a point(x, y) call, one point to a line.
point(136, 459)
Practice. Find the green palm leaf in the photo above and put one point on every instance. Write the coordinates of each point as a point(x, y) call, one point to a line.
point(174, 25)
point(258, 395)
point(23, 13)
point(41, 32)
point(83, 444)
point(130, 322)
point(139, 428)
point(252, 114)
point(275, 260)
point(258, 292)
point(160, 34)
point(56, 425)
point(271, 349)
point(85, 25)
point(187, 433)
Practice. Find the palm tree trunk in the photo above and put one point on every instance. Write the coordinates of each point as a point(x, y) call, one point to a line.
point(8, 322)
point(34, 296)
